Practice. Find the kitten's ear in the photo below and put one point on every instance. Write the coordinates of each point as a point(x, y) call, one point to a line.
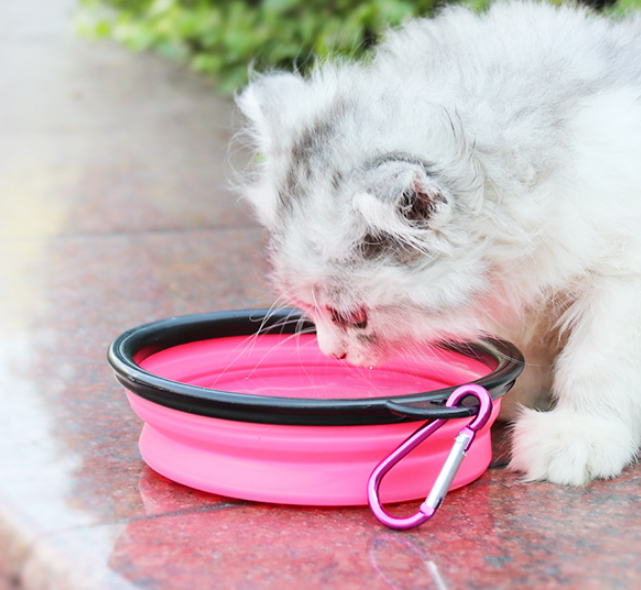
point(269, 103)
point(399, 194)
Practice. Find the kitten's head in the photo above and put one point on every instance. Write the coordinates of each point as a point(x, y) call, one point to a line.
point(371, 200)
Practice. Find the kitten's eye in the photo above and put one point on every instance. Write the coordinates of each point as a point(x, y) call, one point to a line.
point(355, 319)
point(375, 245)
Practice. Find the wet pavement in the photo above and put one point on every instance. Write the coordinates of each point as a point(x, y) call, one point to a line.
point(113, 212)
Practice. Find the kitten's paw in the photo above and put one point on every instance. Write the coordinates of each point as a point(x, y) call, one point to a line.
point(569, 448)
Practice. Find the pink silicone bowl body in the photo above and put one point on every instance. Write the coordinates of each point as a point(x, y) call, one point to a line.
point(269, 418)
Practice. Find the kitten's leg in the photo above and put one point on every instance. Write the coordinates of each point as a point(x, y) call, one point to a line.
point(594, 430)
point(532, 388)
point(537, 337)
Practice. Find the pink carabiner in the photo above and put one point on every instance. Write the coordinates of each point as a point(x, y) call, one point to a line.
point(442, 484)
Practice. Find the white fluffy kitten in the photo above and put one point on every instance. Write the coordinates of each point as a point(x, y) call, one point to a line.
point(479, 174)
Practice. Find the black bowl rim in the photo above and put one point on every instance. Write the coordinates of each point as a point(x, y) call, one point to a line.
point(147, 339)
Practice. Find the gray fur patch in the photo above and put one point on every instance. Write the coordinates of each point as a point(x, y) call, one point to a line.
point(382, 245)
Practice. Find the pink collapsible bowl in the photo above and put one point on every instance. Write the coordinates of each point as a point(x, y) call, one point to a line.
point(245, 405)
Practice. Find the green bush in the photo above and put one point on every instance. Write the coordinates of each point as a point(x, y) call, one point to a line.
point(222, 38)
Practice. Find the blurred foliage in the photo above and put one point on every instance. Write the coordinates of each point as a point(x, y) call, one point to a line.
point(222, 38)
point(623, 7)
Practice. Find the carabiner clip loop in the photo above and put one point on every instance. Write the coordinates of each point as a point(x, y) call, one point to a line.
point(442, 484)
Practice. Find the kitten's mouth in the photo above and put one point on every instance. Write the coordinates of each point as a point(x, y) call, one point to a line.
point(335, 344)
point(344, 335)
point(358, 355)
point(358, 360)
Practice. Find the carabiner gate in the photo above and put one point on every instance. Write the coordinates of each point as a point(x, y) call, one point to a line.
point(442, 484)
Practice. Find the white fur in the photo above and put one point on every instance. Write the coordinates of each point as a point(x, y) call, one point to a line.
point(517, 136)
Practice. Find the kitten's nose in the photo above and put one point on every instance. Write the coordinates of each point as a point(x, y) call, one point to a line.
point(340, 356)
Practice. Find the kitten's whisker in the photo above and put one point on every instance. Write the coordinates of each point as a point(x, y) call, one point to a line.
point(277, 346)
point(251, 340)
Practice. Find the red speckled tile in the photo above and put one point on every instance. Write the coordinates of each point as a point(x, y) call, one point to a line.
point(484, 537)
point(69, 302)
point(97, 140)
